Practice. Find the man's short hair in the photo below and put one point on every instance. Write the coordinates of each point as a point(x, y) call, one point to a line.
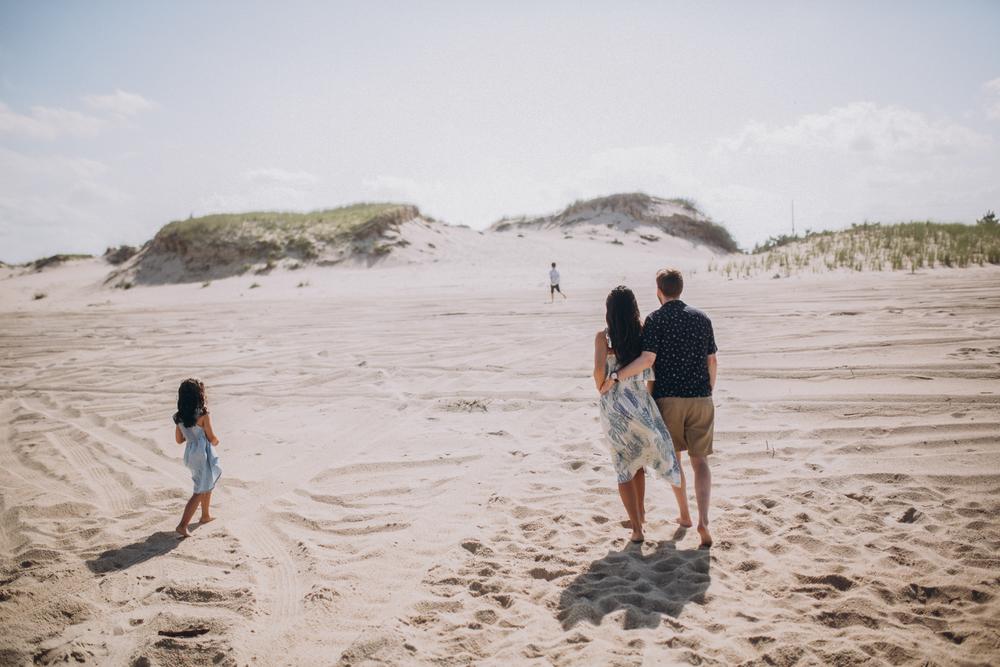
point(670, 282)
point(553, 265)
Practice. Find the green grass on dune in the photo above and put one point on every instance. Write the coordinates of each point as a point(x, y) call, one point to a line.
point(907, 246)
point(276, 234)
point(327, 224)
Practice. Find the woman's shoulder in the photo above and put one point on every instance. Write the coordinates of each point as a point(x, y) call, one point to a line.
point(601, 337)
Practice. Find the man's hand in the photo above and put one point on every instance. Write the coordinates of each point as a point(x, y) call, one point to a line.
point(638, 365)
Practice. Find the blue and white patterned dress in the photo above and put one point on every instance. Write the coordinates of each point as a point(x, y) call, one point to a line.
point(634, 429)
point(199, 457)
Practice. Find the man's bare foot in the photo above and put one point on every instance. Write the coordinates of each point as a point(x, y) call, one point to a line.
point(706, 537)
point(182, 531)
point(684, 523)
point(206, 519)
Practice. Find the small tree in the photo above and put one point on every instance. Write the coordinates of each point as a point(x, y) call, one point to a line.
point(988, 220)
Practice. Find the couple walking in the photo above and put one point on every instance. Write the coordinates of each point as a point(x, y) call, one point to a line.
point(656, 380)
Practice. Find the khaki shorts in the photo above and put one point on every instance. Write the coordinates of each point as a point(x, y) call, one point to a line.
point(690, 422)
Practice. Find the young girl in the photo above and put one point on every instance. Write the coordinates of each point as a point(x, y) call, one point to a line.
point(193, 425)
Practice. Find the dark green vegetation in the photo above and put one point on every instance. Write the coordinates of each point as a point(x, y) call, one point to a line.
point(905, 246)
point(120, 254)
point(55, 260)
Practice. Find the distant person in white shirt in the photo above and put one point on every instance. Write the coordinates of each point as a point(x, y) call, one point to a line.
point(554, 284)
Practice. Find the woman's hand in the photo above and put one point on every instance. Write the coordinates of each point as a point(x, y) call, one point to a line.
point(606, 387)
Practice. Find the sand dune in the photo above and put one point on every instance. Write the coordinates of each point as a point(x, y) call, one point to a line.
point(413, 472)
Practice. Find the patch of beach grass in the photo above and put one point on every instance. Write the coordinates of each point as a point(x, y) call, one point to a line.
point(908, 246)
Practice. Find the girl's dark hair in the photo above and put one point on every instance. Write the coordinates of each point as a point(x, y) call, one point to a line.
point(624, 327)
point(190, 402)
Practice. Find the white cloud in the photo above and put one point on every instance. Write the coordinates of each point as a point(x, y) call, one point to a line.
point(266, 188)
point(854, 162)
point(992, 89)
point(119, 103)
point(48, 123)
point(53, 203)
point(52, 123)
point(272, 175)
point(879, 132)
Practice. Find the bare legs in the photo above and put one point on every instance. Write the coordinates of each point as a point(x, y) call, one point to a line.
point(639, 486)
point(680, 493)
point(199, 499)
point(633, 495)
point(206, 516)
point(702, 495)
point(192, 505)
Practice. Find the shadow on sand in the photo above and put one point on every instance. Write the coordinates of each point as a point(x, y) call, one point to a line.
point(113, 560)
point(647, 585)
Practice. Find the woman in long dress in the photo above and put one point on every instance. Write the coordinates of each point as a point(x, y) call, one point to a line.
point(633, 427)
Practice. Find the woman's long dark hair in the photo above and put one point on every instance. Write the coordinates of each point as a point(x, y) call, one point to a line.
point(624, 326)
point(190, 402)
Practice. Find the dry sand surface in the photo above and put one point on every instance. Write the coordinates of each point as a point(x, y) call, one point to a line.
point(413, 473)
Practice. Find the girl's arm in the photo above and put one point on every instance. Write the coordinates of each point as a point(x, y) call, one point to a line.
point(600, 356)
point(178, 436)
point(207, 425)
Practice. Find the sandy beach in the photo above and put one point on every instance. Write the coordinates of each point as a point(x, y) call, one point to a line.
point(414, 472)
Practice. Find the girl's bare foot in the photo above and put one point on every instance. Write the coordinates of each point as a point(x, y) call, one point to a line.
point(182, 531)
point(706, 537)
point(206, 519)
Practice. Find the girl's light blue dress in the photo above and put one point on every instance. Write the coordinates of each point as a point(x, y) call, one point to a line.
point(634, 429)
point(199, 457)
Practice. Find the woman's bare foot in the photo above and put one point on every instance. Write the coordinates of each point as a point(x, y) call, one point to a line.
point(182, 531)
point(637, 537)
point(706, 537)
point(206, 519)
point(684, 523)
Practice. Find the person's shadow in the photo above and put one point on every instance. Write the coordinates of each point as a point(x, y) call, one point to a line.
point(646, 585)
point(113, 560)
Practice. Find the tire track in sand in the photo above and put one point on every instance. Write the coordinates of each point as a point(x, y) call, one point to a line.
point(273, 566)
point(107, 484)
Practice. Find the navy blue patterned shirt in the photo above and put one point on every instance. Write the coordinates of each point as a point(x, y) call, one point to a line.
point(682, 338)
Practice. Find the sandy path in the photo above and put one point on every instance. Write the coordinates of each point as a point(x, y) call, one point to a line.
point(420, 480)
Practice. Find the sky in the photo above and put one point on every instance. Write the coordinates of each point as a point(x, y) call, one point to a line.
point(118, 117)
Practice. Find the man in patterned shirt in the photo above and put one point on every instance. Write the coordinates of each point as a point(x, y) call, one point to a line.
point(678, 342)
